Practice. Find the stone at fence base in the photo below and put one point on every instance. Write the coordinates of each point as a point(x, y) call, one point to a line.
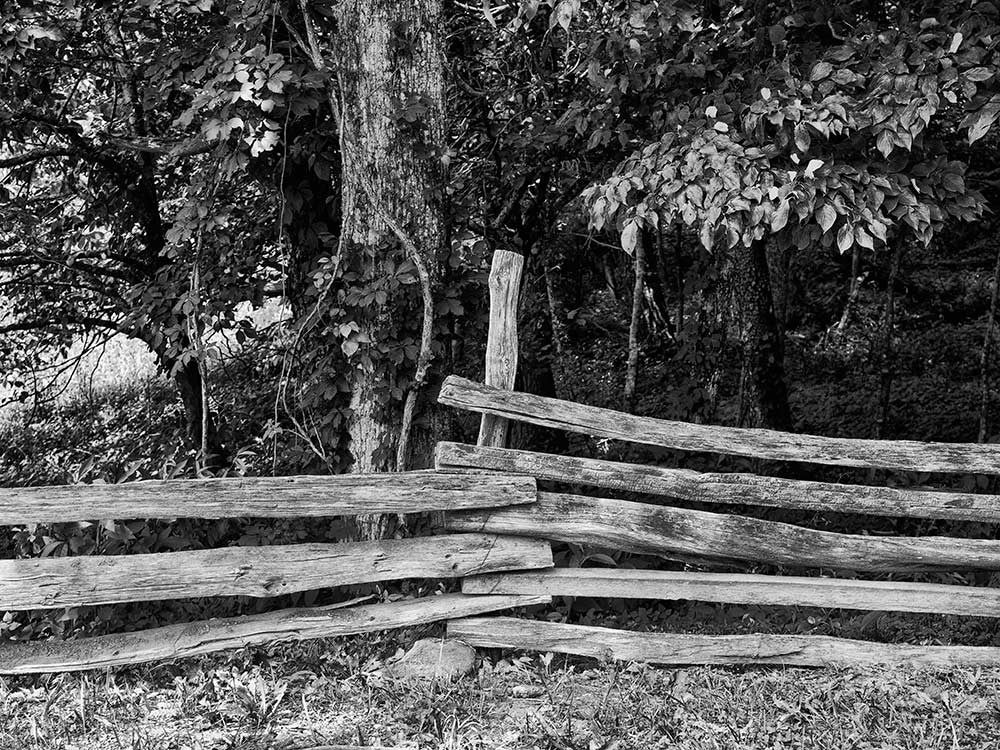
point(436, 658)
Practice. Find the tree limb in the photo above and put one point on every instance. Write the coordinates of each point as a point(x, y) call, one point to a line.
point(80, 321)
point(33, 156)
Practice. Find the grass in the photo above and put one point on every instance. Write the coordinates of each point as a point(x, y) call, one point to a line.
point(87, 374)
point(343, 692)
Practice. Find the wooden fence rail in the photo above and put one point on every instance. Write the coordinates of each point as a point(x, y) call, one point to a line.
point(723, 488)
point(684, 648)
point(741, 588)
point(698, 536)
point(191, 639)
point(965, 458)
point(270, 497)
point(51, 582)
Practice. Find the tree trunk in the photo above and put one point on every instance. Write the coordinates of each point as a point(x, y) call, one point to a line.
point(679, 283)
point(852, 289)
point(200, 427)
point(763, 397)
point(638, 296)
point(885, 348)
point(390, 56)
point(986, 355)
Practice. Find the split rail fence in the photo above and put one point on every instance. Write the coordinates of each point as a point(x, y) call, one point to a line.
point(267, 571)
point(502, 530)
point(705, 538)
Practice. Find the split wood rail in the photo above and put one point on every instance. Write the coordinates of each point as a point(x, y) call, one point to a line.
point(267, 571)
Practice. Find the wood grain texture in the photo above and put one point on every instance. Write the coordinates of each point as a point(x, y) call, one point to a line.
point(682, 648)
point(50, 582)
point(501, 340)
point(966, 458)
point(738, 489)
point(738, 588)
point(691, 535)
point(271, 497)
point(206, 636)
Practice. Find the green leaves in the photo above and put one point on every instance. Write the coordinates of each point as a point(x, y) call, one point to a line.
point(845, 238)
point(779, 217)
point(630, 235)
point(826, 217)
point(563, 14)
point(820, 70)
point(979, 121)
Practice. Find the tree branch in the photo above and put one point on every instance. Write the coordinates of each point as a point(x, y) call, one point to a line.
point(171, 151)
point(80, 321)
point(33, 156)
point(15, 260)
point(85, 148)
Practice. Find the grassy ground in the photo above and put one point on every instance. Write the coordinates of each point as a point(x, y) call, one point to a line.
point(343, 692)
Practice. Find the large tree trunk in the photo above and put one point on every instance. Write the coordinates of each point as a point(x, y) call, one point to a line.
point(390, 56)
point(763, 394)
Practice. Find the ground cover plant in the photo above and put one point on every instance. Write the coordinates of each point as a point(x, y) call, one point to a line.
point(336, 693)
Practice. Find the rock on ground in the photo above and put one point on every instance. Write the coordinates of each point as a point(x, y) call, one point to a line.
point(436, 658)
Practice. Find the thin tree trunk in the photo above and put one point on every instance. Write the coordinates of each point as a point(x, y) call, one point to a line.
point(852, 290)
point(679, 283)
point(563, 385)
point(657, 309)
point(638, 296)
point(885, 349)
point(656, 262)
point(198, 421)
point(986, 354)
point(763, 396)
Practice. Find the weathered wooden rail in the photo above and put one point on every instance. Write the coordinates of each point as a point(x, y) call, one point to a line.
point(53, 582)
point(906, 455)
point(702, 537)
point(744, 588)
point(721, 488)
point(266, 571)
point(263, 497)
point(206, 636)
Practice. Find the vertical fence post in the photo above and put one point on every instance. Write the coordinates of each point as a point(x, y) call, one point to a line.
point(501, 342)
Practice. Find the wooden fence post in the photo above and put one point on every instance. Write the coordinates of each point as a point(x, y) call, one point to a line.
point(501, 342)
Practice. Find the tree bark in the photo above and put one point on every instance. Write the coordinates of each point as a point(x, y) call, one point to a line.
point(638, 296)
point(763, 396)
point(986, 354)
point(199, 425)
point(885, 348)
point(390, 56)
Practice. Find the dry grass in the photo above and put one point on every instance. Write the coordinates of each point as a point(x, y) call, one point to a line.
point(85, 375)
point(341, 692)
